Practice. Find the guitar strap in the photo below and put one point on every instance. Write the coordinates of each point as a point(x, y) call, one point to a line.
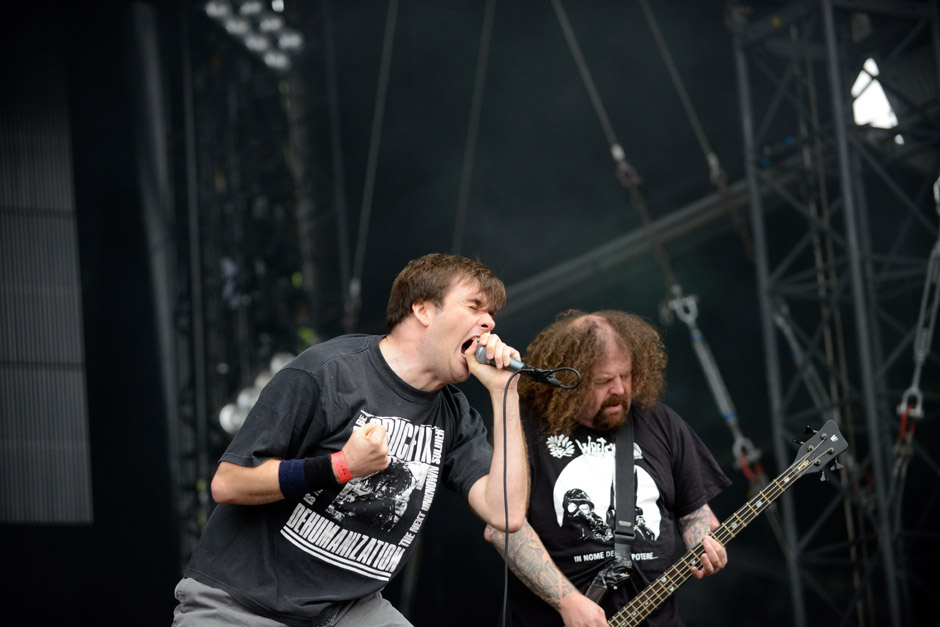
point(618, 571)
point(624, 531)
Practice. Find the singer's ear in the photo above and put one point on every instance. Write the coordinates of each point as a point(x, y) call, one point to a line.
point(422, 310)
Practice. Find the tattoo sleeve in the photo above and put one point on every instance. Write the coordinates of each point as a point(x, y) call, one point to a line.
point(695, 526)
point(529, 560)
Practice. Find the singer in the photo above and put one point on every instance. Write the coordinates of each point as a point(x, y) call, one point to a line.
point(574, 440)
point(324, 488)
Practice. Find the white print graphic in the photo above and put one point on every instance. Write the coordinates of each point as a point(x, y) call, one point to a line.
point(391, 504)
point(593, 557)
point(648, 516)
point(381, 498)
point(347, 549)
point(582, 497)
point(559, 446)
point(584, 493)
point(599, 447)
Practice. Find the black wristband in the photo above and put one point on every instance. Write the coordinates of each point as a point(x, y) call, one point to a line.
point(318, 471)
point(292, 480)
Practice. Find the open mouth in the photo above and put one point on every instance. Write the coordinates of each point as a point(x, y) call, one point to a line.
point(466, 345)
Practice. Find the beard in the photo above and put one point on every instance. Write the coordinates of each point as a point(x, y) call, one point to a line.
point(608, 421)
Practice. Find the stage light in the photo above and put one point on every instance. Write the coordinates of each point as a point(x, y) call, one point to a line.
point(251, 7)
point(290, 40)
point(279, 360)
point(247, 398)
point(231, 418)
point(263, 378)
point(256, 42)
point(237, 26)
point(270, 23)
point(218, 9)
point(277, 60)
point(262, 30)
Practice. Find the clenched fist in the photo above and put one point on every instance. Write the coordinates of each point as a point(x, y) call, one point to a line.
point(366, 451)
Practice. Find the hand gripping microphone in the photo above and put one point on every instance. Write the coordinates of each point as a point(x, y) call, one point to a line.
point(537, 374)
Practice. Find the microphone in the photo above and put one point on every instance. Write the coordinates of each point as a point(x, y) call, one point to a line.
point(542, 376)
point(514, 364)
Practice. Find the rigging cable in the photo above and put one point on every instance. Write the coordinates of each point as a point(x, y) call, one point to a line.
point(911, 408)
point(625, 171)
point(745, 454)
point(355, 283)
point(715, 172)
point(473, 128)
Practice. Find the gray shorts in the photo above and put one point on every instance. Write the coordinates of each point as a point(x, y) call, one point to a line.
point(204, 606)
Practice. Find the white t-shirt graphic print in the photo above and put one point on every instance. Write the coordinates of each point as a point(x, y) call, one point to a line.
point(572, 505)
point(584, 493)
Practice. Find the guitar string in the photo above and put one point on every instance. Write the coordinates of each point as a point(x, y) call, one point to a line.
point(677, 576)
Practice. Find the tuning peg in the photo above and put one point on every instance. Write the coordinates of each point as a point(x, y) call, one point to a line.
point(822, 477)
point(809, 430)
point(836, 466)
point(799, 442)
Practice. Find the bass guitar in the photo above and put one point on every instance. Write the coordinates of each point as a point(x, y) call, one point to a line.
point(821, 449)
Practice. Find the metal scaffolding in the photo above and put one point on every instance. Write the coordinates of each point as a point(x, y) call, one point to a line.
point(843, 224)
point(251, 232)
point(841, 265)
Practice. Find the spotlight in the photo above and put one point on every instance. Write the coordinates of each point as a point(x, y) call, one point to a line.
point(263, 378)
point(218, 9)
point(256, 42)
point(290, 40)
point(231, 418)
point(251, 7)
point(247, 398)
point(271, 23)
point(279, 360)
point(277, 60)
point(237, 26)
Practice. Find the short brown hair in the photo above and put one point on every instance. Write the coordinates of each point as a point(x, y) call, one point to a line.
point(430, 277)
point(579, 346)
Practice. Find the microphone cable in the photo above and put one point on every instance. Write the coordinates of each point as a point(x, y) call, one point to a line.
point(545, 376)
point(548, 376)
point(506, 502)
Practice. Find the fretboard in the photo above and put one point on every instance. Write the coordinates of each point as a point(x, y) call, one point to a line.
point(658, 591)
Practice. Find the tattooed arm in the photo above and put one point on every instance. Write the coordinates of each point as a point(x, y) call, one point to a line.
point(529, 560)
point(697, 527)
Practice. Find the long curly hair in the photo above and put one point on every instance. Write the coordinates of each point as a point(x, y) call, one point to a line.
point(578, 342)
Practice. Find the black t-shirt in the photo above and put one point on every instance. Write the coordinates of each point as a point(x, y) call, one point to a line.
point(573, 504)
point(298, 561)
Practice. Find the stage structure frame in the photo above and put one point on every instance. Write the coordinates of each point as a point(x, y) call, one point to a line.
point(839, 294)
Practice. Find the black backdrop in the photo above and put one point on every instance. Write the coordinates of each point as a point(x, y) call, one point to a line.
point(123, 567)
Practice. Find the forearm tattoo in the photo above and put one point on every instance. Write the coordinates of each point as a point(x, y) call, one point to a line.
point(695, 526)
point(532, 564)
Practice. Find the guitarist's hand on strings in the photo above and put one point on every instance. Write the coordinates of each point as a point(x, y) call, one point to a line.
point(697, 527)
point(713, 559)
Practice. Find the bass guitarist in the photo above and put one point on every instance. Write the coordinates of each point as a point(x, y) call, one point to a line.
point(566, 568)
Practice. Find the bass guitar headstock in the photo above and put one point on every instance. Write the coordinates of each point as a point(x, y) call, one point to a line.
point(821, 448)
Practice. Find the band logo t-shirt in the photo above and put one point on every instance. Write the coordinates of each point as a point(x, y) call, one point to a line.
point(299, 561)
point(573, 504)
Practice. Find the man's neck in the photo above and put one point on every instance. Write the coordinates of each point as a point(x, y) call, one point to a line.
point(404, 358)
